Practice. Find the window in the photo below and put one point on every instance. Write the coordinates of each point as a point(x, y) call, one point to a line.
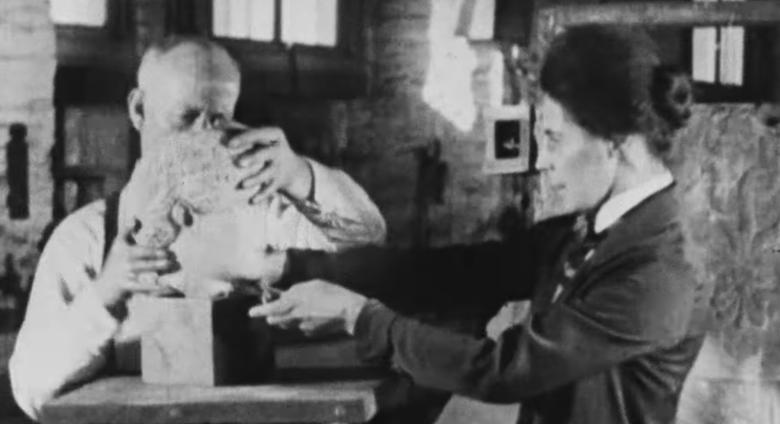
point(246, 19)
point(313, 22)
point(719, 55)
point(91, 13)
point(93, 33)
point(306, 22)
point(476, 19)
point(733, 63)
point(311, 48)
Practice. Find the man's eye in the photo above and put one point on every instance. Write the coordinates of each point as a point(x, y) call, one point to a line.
point(189, 117)
point(217, 120)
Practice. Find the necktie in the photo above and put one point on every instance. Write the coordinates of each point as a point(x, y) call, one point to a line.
point(580, 250)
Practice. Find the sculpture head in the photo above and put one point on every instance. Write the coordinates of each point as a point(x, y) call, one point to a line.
point(184, 197)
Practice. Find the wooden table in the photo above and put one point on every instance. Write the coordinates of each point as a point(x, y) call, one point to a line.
point(127, 400)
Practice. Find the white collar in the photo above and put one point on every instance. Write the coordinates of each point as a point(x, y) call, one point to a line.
point(617, 206)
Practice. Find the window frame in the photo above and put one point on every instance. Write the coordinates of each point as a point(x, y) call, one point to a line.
point(273, 67)
point(757, 71)
point(754, 16)
point(108, 46)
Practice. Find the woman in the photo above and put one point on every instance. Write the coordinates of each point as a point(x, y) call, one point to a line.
point(616, 316)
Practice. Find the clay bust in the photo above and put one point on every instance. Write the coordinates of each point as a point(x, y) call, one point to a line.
point(183, 196)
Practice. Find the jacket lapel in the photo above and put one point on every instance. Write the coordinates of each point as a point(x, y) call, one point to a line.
point(637, 228)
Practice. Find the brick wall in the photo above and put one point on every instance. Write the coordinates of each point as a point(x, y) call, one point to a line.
point(427, 85)
point(27, 63)
point(27, 66)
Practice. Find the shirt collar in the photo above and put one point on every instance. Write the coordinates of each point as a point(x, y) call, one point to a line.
point(617, 206)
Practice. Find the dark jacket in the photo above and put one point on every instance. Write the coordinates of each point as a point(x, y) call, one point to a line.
point(614, 347)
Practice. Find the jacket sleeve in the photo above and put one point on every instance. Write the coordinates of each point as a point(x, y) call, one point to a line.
point(623, 315)
point(66, 330)
point(484, 272)
point(488, 271)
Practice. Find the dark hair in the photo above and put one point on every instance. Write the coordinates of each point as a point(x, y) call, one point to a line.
point(611, 80)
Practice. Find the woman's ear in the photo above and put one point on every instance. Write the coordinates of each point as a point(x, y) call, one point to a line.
point(632, 151)
point(135, 108)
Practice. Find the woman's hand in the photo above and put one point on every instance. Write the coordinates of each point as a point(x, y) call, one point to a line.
point(315, 307)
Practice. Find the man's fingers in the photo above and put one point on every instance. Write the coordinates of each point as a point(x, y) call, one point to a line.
point(136, 287)
point(267, 136)
point(142, 253)
point(257, 178)
point(256, 157)
point(266, 188)
point(275, 308)
point(152, 265)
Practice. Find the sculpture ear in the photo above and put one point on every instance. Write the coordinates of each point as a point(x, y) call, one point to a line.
point(182, 215)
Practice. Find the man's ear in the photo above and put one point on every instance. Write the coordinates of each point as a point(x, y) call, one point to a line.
point(135, 108)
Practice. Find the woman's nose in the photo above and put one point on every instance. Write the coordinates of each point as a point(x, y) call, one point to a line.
point(543, 157)
point(543, 162)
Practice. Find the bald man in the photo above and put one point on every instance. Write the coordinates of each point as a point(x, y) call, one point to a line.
point(79, 295)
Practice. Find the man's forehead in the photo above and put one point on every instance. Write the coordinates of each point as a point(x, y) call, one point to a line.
point(190, 63)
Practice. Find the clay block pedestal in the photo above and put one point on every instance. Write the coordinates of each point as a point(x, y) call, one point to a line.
point(204, 342)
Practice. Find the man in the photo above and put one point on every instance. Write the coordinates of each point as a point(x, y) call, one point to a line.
point(77, 306)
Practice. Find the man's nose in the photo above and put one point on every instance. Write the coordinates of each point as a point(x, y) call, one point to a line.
point(209, 121)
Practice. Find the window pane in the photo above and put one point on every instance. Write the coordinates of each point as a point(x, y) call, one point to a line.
point(705, 48)
point(252, 19)
point(732, 54)
point(732, 51)
point(482, 20)
point(311, 22)
point(78, 12)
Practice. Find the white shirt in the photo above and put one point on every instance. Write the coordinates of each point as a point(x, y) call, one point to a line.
point(67, 331)
point(617, 206)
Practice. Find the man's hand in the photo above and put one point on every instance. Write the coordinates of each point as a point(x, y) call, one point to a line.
point(314, 307)
point(270, 163)
point(125, 262)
